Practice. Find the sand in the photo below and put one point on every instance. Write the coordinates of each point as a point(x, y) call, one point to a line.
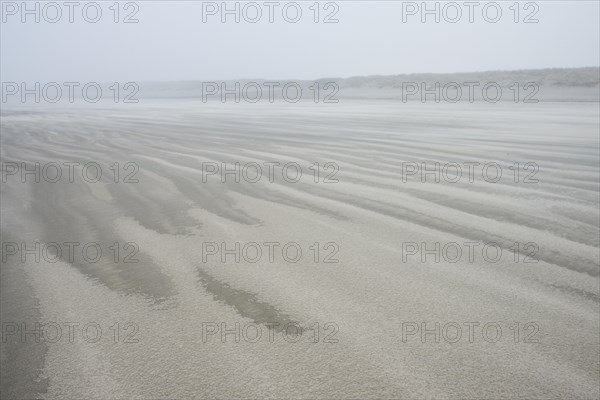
point(372, 297)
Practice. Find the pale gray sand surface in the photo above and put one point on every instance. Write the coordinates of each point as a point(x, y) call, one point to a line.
point(369, 214)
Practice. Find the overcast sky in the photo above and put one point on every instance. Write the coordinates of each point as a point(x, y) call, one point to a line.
point(171, 42)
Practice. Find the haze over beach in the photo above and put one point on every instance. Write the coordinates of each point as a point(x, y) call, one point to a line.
point(246, 231)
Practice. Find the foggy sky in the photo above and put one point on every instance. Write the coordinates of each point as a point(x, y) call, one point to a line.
point(171, 42)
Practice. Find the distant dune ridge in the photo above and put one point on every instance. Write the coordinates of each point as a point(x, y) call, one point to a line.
point(577, 77)
point(555, 84)
point(550, 84)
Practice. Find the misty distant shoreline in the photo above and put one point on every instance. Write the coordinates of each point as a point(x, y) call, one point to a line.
point(579, 76)
point(555, 84)
point(529, 86)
